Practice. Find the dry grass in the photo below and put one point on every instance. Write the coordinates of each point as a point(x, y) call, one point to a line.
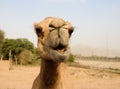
point(82, 78)
point(111, 66)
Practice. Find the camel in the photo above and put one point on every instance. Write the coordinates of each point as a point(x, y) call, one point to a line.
point(53, 46)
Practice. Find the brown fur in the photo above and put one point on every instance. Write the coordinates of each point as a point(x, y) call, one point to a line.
point(53, 38)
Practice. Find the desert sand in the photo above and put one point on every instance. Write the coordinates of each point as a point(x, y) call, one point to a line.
point(21, 77)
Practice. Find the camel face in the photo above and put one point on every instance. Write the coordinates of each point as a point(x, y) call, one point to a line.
point(53, 38)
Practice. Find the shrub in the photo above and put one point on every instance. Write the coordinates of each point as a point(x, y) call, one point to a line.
point(25, 57)
point(71, 58)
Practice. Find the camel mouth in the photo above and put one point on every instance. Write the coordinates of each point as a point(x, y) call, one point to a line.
point(60, 48)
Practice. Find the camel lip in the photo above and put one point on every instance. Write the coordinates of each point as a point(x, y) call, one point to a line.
point(60, 48)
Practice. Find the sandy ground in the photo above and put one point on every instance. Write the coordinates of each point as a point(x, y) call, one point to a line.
point(22, 77)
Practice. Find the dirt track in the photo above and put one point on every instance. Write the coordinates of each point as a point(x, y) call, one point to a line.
point(22, 78)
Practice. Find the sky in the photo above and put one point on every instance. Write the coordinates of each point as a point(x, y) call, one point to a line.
point(96, 22)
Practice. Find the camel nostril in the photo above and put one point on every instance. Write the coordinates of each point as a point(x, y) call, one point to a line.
point(52, 26)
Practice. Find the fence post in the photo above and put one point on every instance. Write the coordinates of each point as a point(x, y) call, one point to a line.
point(10, 61)
point(15, 60)
point(1, 57)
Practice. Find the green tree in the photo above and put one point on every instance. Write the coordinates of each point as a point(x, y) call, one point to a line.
point(16, 46)
point(2, 36)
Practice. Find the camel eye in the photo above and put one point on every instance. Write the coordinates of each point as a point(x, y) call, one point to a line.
point(39, 32)
point(71, 30)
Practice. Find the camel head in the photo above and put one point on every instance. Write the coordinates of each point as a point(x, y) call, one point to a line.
point(53, 38)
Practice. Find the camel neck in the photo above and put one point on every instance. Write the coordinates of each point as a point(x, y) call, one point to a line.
point(50, 74)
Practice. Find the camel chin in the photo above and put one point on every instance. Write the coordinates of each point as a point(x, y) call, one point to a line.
point(60, 55)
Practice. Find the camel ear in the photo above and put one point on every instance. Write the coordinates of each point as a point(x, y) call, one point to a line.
point(38, 30)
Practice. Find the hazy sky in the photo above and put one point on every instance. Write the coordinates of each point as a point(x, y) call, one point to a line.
point(96, 22)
